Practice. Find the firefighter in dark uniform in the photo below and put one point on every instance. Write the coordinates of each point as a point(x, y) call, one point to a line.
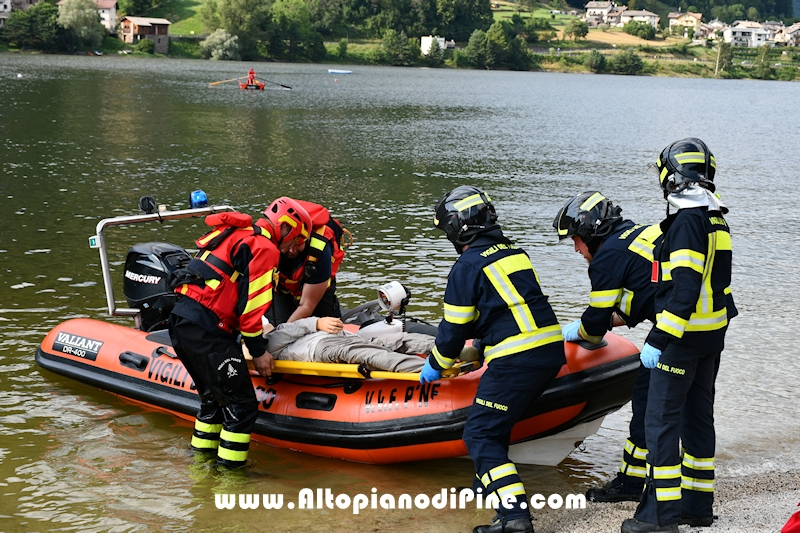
point(307, 273)
point(693, 307)
point(493, 295)
point(620, 257)
point(225, 290)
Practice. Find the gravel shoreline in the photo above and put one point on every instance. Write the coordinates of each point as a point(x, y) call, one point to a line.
point(756, 503)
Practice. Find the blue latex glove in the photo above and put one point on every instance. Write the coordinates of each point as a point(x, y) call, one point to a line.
point(649, 356)
point(570, 331)
point(429, 374)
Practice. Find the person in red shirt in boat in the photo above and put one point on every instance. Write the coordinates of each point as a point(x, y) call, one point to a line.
point(251, 77)
point(307, 272)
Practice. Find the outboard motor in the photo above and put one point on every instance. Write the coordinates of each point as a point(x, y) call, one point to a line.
point(149, 269)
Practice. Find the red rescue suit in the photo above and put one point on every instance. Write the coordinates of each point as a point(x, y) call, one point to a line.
point(326, 232)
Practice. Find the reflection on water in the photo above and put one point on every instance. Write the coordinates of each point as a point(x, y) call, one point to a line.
point(83, 138)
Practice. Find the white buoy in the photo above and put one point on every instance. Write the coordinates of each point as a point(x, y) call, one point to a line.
point(19, 75)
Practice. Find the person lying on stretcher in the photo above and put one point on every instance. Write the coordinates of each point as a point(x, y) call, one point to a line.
point(324, 340)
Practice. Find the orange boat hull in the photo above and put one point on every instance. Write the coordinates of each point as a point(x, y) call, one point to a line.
point(370, 420)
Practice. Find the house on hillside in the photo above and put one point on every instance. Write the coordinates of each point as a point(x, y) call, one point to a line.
point(134, 29)
point(598, 9)
point(709, 31)
point(640, 16)
point(746, 34)
point(108, 14)
point(107, 9)
point(789, 36)
point(426, 41)
point(614, 17)
point(22, 4)
point(682, 22)
point(5, 10)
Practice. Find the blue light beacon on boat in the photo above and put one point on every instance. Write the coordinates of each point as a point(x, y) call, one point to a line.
point(198, 198)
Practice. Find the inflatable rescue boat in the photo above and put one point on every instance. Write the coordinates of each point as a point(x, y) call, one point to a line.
point(331, 410)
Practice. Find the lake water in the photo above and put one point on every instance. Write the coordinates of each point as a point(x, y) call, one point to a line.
point(82, 138)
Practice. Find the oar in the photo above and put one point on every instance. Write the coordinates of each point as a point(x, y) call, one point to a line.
point(278, 84)
point(223, 81)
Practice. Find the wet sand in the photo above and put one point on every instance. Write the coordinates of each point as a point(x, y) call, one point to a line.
point(757, 503)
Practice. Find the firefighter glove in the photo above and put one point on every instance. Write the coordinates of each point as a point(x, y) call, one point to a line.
point(570, 331)
point(428, 373)
point(649, 356)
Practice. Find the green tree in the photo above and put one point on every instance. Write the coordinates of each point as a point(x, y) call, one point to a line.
point(147, 46)
point(395, 48)
point(342, 49)
point(497, 43)
point(246, 19)
point(724, 58)
point(37, 27)
point(595, 61)
point(435, 56)
point(82, 18)
point(478, 50)
point(135, 7)
point(576, 28)
point(641, 29)
point(764, 68)
point(626, 62)
point(752, 13)
point(220, 45)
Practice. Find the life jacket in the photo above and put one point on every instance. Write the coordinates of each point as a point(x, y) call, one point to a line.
point(324, 230)
point(210, 277)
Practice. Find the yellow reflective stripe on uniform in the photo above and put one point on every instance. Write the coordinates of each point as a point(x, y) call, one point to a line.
point(698, 463)
point(208, 237)
point(212, 283)
point(254, 303)
point(444, 362)
point(469, 201)
point(592, 201)
point(498, 472)
point(515, 489)
point(626, 302)
point(645, 249)
point(260, 282)
point(666, 272)
point(701, 485)
point(498, 274)
point(666, 472)
point(644, 243)
point(671, 323)
point(688, 259)
point(634, 451)
point(604, 299)
point(238, 456)
point(241, 438)
point(723, 240)
point(524, 341)
point(633, 471)
point(317, 244)
point(727, 290)
point(708, 321)
point(207, 428)
point(204, 444)
point(459, 314)
point(668, 494)
point(595, 339)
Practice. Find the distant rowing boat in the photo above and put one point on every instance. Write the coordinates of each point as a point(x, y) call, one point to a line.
point(336, 71)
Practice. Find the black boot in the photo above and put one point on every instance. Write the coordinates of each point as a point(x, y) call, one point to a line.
point(501, 525)
point(631, 525)
point(696, 521)
point(613, 493)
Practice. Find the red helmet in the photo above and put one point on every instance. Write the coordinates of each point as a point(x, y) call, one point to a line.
point(287, 211)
